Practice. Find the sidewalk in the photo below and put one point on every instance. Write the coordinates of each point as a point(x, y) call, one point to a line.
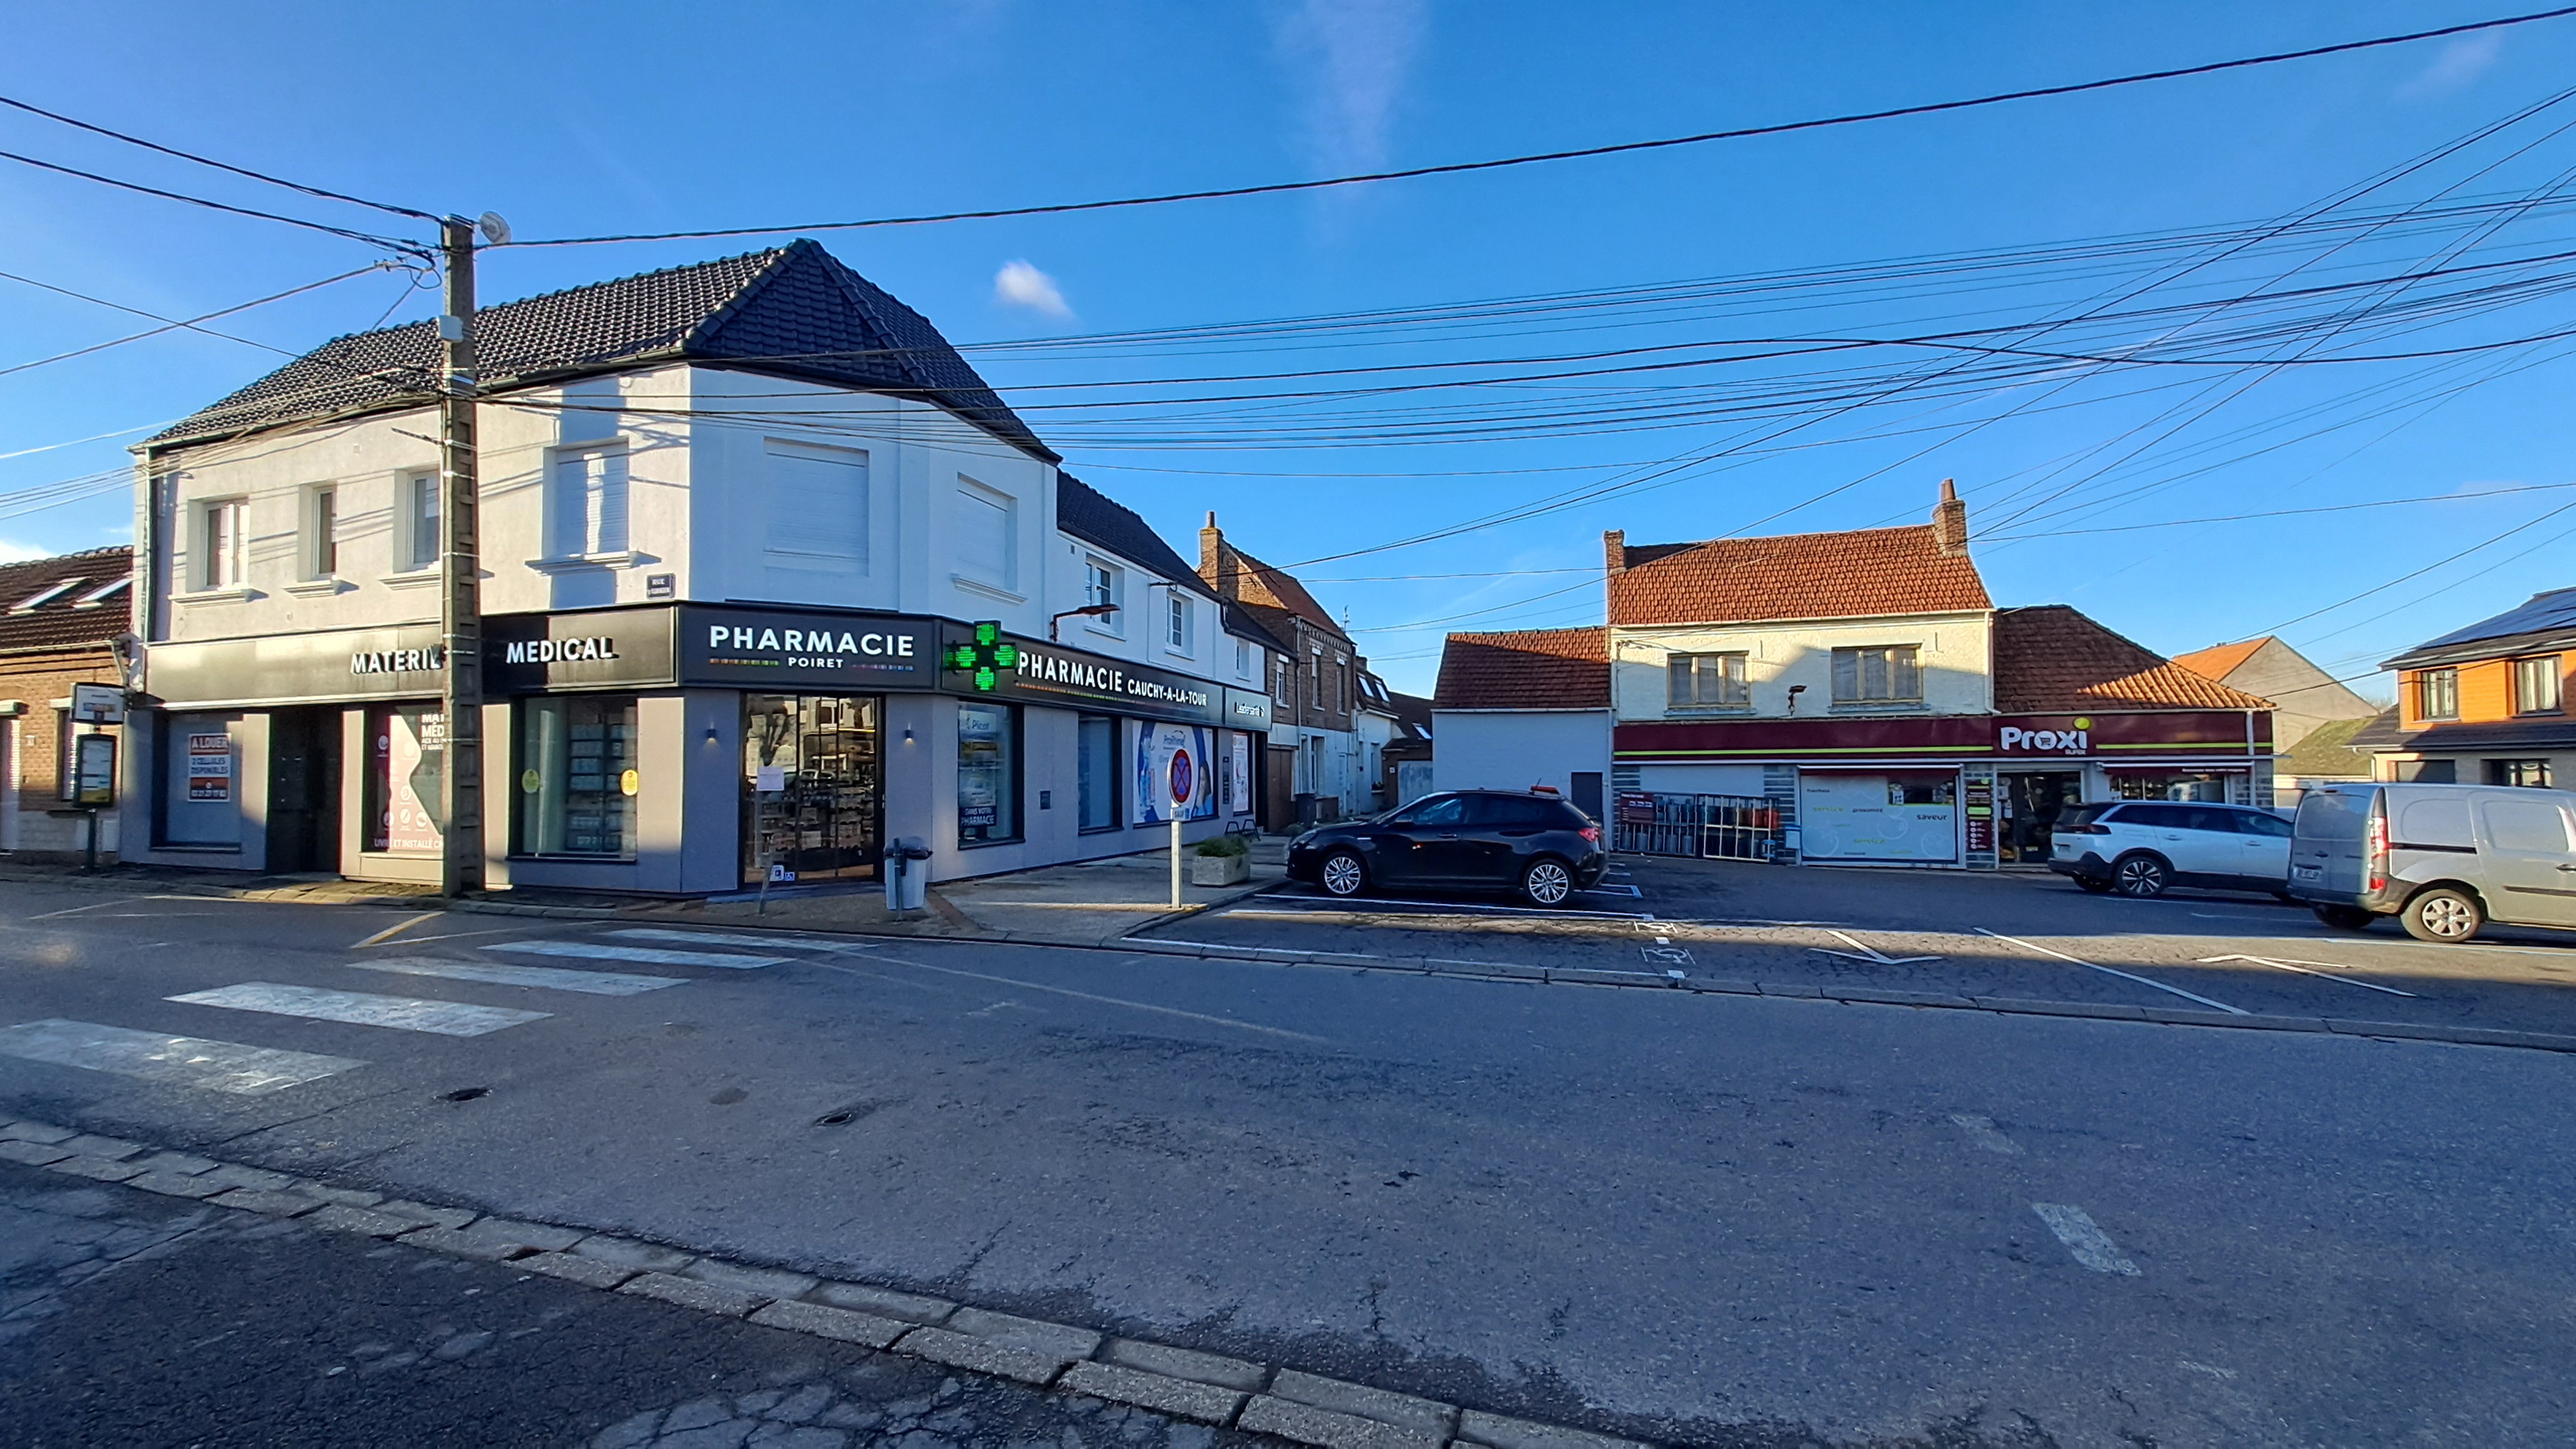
point(1083, 904)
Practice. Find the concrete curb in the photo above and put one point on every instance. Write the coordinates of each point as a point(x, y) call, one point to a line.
point(1184, 1383)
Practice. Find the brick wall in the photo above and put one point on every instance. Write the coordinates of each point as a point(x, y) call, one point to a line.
point(35, 681)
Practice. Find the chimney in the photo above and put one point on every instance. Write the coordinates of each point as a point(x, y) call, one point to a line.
point(1215, 566)
point(1950, 522)
point(1614, 549)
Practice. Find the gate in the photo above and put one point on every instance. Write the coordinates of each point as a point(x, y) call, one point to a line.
point(1709, 827)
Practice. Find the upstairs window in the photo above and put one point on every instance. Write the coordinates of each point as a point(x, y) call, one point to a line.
point(321, 532)
point(220, 551)
point(1176, 623)
point(1888, 674)
point(987, 534)
point(1243, 658)
point(2536, 685)
point(45, 596)
point(2437, 694)
point(104, 592)
point(588, 502)
point(1706, 681)
point(416, 547)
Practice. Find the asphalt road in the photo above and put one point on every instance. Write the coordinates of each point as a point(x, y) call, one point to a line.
point(1723, 1220)
point(133, 1320)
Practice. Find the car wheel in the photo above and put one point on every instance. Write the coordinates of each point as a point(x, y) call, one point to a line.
point(2140, 877)
point(1343, 874)
point(1547, 882)
point(2443, 916)
point(2344, 918)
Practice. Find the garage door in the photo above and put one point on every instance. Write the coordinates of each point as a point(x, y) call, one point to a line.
point(1912, 817)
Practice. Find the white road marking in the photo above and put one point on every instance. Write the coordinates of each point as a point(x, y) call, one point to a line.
point(2091, 1246)
point(2115, 971)
point(551, 978)
point(1869, 954)
point(713, 938)
point(359, 1008)
point(396, 929)
point(642, 955)
point(1983, 1132)
point(1079, 995)
point(178, 1061)
point(2304, 968)
point(75, 910)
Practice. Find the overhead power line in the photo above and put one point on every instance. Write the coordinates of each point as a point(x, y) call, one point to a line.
point(1777, 128)
point(175, 324)
point(392, 244)
point(263, 176)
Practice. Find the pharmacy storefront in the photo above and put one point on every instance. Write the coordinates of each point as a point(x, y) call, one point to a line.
point(1958, 791)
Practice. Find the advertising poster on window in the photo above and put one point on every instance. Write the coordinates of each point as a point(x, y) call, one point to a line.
point(1169, 756)
point(1880, 817)
point(210, 767)
point(1238, 772)
point(409, 749)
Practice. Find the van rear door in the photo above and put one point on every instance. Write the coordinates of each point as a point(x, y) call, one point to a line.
point(2529, 841)
point(2332, 835)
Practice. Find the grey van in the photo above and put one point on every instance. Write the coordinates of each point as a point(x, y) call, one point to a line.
point(2443, 859)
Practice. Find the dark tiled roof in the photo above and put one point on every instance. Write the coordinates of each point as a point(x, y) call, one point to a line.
point(2325, 751)
point(1525, 669)
point(2050, 659)
point(1239, 620)
point(2541, 622)
point(2543, 733)
point(60, 622)
point(2380, 732)
point(1850, 575)
point(792, 311)
point(1097, 519)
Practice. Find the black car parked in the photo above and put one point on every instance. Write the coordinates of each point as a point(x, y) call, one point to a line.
point(1520, 839)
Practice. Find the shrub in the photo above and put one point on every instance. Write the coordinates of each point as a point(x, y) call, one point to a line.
point(1224, 845)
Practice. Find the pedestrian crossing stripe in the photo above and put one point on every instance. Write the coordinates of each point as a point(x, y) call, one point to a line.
point(401, 1013)
point(592, 983)
point(177, 1061)
point(642, 955)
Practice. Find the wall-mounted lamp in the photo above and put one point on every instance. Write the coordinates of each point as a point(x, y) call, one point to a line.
point(712, 736)
point(1087, 611)
point(1794, 691)
point(907, 734)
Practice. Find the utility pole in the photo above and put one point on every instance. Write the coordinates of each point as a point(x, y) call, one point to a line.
point(460, 589)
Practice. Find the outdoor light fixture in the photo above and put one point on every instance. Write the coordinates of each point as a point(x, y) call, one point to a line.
point(907, 734)
point(1794, 691)
point(1087, 611)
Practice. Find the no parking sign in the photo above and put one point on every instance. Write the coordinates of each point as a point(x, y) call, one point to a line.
point(1181, 780)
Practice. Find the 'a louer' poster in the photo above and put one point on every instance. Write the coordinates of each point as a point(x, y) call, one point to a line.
point(1169, 754)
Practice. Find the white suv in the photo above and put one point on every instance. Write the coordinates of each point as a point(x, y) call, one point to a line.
point(2141, 847)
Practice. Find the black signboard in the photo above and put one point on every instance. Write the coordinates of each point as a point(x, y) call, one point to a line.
point(1078, 679)
point(329, 667)
point(595, 649)
point(817, 650)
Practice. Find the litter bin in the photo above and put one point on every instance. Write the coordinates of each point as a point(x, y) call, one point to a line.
point(907, 874)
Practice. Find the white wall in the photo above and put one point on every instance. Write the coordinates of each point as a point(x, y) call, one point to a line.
point(1515, 749)
point(1956, 655)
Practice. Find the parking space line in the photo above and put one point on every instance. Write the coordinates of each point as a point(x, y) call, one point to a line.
point(2084, 1238)
point(2115, 971)
point(396, 929)
point(2306, 968)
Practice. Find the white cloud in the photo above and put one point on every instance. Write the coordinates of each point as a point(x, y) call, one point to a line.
point(1355, 55)
point(2460, 62)
point(12, 551)
point(1018, 284)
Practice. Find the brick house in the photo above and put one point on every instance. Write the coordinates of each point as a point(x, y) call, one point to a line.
point(1313, 768)
point(60, 619)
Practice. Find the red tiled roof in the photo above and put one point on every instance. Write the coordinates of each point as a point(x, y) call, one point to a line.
point(61, 622)
point(1855, 574)
point(2220, 660)
point(1525, 669)
point(2049, 659)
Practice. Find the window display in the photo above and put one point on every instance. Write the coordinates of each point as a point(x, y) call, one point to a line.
point(406, 778)
point(988, 770)
point(578, 777)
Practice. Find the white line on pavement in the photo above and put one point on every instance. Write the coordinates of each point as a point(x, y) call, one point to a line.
point(2091, 1246)
point(397, 928)
point(74, 910)
point(2115, 971)
point(712, 938)
point(1983, 1132)
point(359, 1008)
point(551, 978)
point(2306, 968)
point(642, 955)
point(179, 1061)
point(1081, 995)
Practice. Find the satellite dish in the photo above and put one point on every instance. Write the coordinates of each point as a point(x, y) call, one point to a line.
point(496, 232)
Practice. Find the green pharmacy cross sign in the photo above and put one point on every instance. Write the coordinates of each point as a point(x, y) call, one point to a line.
point(987, 657)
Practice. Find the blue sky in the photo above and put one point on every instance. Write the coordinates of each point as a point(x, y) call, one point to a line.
point(581, 119)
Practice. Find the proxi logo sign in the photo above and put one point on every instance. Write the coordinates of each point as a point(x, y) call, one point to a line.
point(2013, 739)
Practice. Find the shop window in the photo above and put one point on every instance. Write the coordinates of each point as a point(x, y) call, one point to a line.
point(587, 502)
point(988, 773)
point(2536, 685)
point(1889, 674)
point(2437, 694)
point(1706, 681)
point(2533, 774)
point(406, 778)
point(416, 542)
point(578, 777)
point(1096, 772)
point(200, 802)
point(220, 550)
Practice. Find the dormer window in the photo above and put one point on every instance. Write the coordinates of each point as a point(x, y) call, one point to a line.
point(45, 596)
point(103, 593)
